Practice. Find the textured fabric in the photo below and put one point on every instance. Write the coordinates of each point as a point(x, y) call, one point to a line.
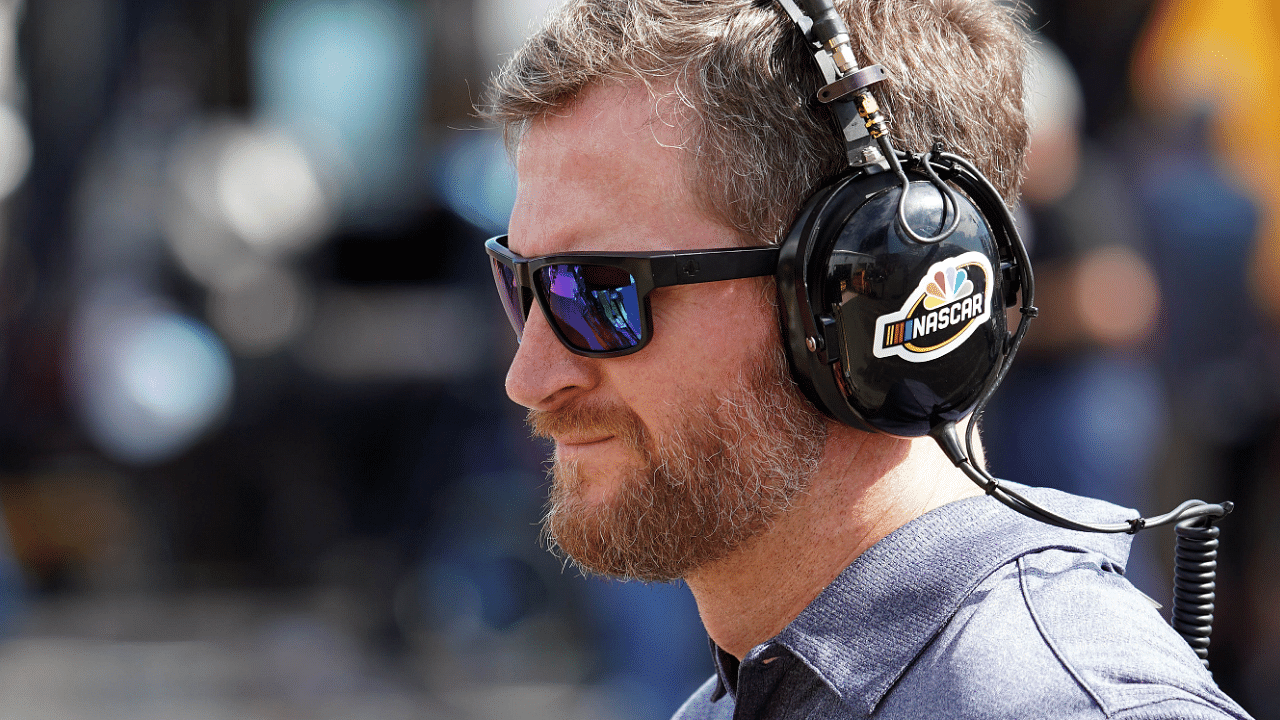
point(973, 611)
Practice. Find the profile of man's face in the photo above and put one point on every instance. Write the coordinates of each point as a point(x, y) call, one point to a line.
point(668, 458)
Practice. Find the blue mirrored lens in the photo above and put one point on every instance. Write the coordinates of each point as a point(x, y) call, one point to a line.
point(509, 291)
point(595, 307)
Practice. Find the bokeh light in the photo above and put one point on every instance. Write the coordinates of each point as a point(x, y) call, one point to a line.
point(347, 78)
point(476, 178)
point(270, 194)
point(259, 309)
point(15, 160)
point(150, 381)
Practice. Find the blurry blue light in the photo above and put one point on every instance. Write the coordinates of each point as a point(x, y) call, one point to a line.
point(350, 68)
point(176, 368)
point(476, 179)
point(151, 381)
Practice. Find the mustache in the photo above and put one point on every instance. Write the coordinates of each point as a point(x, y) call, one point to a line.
point(618, 420)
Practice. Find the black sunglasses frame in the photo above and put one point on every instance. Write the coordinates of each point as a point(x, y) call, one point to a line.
point(649, 270)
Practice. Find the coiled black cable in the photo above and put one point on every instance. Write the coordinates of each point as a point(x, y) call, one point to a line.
point(1194, 569)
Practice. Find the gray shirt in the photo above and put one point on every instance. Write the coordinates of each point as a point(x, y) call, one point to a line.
point(974, 611)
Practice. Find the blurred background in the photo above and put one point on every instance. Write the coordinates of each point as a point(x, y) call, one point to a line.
point(255, 457)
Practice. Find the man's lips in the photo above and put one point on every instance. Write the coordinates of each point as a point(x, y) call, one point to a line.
point(577, 442)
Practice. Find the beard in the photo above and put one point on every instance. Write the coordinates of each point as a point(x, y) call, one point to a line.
point(731, 463)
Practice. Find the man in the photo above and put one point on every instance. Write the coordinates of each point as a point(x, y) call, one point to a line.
point(839, 573)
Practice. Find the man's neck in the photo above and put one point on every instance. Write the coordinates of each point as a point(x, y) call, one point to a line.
point(867, 487)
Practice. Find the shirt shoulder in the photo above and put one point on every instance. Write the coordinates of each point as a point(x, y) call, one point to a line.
point(1058, 629)
point(700, 706)
point(1113, 642)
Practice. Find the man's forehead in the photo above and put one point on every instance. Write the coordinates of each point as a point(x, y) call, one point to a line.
point(625, 110)
point(607, 173)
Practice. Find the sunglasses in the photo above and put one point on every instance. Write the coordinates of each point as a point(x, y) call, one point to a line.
point(598, 305)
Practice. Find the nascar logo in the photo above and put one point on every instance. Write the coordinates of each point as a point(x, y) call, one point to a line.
point(952, 301)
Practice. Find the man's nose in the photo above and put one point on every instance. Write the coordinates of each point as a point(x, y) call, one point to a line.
point(544, 374)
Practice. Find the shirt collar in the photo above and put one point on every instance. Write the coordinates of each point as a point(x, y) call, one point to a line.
point(726, 672)
point(867, 627)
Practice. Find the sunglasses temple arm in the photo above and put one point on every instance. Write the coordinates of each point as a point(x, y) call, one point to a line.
point(713, 265)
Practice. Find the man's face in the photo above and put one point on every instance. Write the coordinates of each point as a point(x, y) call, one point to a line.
point(671, 457)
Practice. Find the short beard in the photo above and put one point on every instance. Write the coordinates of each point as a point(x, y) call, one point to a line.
point(730, 466)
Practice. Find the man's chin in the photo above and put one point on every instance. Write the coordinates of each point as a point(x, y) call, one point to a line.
point(591, 474)
point(583, 489)
point(590, 524)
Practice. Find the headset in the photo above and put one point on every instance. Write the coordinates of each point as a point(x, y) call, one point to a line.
point(893, 281)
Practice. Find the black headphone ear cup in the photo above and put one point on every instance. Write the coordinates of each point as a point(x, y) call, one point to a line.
point(886, 334)
point(805, 330)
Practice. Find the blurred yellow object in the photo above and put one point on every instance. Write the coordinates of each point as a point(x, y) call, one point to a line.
point(70, 526)
point(1225, 54)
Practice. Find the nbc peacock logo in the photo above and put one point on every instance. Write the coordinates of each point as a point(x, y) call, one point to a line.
point(952, 301)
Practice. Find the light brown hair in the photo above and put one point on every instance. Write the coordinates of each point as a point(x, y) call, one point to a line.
point(743, 80)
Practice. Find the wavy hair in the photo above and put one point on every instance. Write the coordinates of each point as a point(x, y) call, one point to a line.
point(742, 80)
